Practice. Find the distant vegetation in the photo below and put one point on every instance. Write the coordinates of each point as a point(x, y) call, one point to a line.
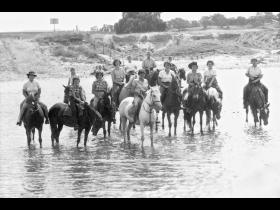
point(221, 21)
point(139, 22)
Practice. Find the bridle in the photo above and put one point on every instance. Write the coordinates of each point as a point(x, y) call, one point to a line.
point(150, 105)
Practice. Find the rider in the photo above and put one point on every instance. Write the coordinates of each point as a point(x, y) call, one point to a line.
point(118, 76)
point(99, 87)
point(77, 99)
point(31, 87)
point(148, 65)
point(255, 74)
point(173, 66)
point(210, 79)
point(193, 79)
point(164, 79)
point(139, 87)
point(73, 74)
point(130, 69)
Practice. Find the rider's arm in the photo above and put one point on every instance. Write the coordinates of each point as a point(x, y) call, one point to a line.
point(93, 88)
point(113, 76)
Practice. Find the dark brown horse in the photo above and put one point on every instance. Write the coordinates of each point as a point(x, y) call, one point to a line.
point(196, 102)
point(172, 105)
point(33, 117)
point(258, 107)
point(85, 121)
point(105, 108)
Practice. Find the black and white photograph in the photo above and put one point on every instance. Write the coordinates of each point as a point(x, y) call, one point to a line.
point(139, 104)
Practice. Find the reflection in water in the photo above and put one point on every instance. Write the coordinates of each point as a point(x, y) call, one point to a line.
point(183, 166)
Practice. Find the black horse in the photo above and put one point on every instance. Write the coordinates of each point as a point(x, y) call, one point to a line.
point(57, 119)
point(106, 109)
point(33, 117)
point(172, 104)
point(196, 102)
point(258, 106)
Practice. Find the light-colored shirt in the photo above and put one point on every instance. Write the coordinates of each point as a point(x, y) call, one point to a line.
point(254, 71)
point(31, 87)
point(210, 73)
point(148, 64)
point(78, 92)
point(130, 67)
point(118, 76)
point(194, 78)
point(99, 87)
point(166, 77)
point(140, 86)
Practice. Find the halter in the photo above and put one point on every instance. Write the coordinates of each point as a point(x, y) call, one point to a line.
point(150, 105)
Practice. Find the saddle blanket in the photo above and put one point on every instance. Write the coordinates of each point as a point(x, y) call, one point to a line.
point(67, 112)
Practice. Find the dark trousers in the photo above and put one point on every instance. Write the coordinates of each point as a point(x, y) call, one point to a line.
point(74, 110)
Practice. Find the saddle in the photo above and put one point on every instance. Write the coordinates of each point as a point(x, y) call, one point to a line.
point(68, 111)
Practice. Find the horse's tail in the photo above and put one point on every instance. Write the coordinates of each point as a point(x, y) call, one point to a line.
point(53, 117)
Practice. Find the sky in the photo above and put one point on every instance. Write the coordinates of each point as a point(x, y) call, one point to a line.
point(40, 21)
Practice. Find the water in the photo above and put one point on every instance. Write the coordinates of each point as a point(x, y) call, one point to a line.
point(235, 160)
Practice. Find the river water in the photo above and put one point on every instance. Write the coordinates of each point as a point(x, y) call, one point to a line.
point(237, 160)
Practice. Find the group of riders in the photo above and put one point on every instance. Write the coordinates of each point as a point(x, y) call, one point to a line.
point(139, 84)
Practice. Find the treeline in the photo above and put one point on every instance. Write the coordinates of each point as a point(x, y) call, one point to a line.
point(138, 22)
point(221, 21)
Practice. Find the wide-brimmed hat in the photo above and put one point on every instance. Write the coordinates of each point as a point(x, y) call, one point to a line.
point(31, 73)
point(254, 59)
point(210, 62)
point(192, 64)
point(141, 71)
point(166, 63)
point(76, 78)
point(114, 62)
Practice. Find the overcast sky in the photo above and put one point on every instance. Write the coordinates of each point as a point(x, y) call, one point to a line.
point(40, 21)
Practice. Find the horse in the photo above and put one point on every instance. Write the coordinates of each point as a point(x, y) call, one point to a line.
point(146, 114)
point(58, 118)
point(197, 102)
point(105, 108)
point(172, 105)
point(214, 105)
point(258, 106)
point(33, 117)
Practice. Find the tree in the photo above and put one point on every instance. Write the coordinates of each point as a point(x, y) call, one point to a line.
point(206, 21)
point(135, 22)
point(219, 20)
point(178, 23)
point(241, 21)
point(195, 23)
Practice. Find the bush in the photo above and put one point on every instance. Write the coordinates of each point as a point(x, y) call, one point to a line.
point(61, 51)
point(64, 39)
point(126, 39)
point(160, 38)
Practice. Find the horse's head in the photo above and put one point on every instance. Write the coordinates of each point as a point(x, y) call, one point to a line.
point(182, 74)
point(154, 97)
point(66, 89)
point(264, 113)
point(96, 118)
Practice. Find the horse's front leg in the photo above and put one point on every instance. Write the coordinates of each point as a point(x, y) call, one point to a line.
point(109, 128)
point(169, 123)
point(87, 130)
point(175, 123)
point(208, 119)
point(201, 122)
point(214, 121)
point(192, 123)
point(123, 122)
point(128, 132)
point(104, 130)
point(151, 134)
point(33, 134)
point(142, 134)
point(247, 110)
point(163, 116)
point(28, 135)
point(40, 135)
point(79, 136)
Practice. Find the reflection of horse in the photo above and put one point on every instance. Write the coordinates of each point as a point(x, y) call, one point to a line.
point(58, 118)
point(33, 117)
point(214, 105)
point(196, 102)
point(105, 108)
point(257, 105)
point(146, 114)
point(172, 105)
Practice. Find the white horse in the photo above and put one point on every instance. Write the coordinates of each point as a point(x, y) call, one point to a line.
point(147, 115)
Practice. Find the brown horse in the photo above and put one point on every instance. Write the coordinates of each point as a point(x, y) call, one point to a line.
point(172, 105)
point(33, 118)
point(85, 121)
point(105, 108)
point(196, 102)
point(258, 107)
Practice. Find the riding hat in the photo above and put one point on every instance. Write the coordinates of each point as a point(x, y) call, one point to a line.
point(141, 71)
point(114, 62)
point(166, 63)
point(210, 62)
point(76, 77)
point(254, 59)
point(31, 73)
point(192, 64)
